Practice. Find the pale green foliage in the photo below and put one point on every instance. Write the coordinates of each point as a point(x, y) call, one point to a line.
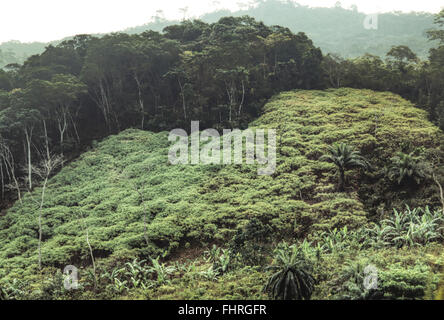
point(161, 271)
point(410, 227)
point(220, 258)
point(211, 204)
point(336, 240)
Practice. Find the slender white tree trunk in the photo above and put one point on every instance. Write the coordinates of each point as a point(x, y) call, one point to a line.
point(141, 102)
point(76, 132)
point(62, 124)
point(441, 192)
point(42, 201)
point(91, 253)
point(28, 135)
point(184, 105)
point(8, 160)
point(243, 98)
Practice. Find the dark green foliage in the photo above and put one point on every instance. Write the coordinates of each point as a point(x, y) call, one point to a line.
point(401, 283)
point(221, 259)
point(88, 87)
point(345, 158)
point(336, 30)
point(136, 206)
point(251, 242)
point(392, 282)
point(405, 168)
point(352, 286)
point(292, 279)
point(15, 290)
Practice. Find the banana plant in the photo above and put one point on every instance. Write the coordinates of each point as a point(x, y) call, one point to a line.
point(161, 271)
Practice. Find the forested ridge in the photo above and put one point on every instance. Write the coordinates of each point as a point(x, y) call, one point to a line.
point(15, 51)
point(58, 104)
point(335, 30)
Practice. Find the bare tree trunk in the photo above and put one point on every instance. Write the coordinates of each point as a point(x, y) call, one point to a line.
point(91, 254)
point(62, 125)
point(3, 181)
point(100, 97)
point(105, 105)
point(229, 104)
point(441, 193)
point(28, 135)
point(8, 160)
point(46, 139)
point(74, 127)
point(141, 103)
point(42, 200)
point(231, 98)
point(184, 105)
point(47, 166)
point(116, 119)
point(243, 97)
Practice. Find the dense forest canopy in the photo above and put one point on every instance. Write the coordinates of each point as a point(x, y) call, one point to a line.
point(220, 73)
point(88, 87)
point(335, 30)
point(18, 52)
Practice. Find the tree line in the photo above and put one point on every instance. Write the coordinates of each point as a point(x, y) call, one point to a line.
point(221, 74)
point(400, 71)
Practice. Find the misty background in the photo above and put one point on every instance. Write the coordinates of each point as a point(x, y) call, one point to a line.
point(335, 26)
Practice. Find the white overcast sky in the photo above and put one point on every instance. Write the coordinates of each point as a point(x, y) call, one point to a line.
point(46, 20)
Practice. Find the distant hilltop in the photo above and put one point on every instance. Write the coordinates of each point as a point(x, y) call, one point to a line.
point(335, 30)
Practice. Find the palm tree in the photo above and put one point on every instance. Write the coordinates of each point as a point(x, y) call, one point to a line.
point(292, 278)
point(345, 157)
point(406, 167)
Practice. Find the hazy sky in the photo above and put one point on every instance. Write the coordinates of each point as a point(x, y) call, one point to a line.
point(46, 20)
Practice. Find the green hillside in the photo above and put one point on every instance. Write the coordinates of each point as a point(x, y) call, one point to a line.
point(134, 204)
